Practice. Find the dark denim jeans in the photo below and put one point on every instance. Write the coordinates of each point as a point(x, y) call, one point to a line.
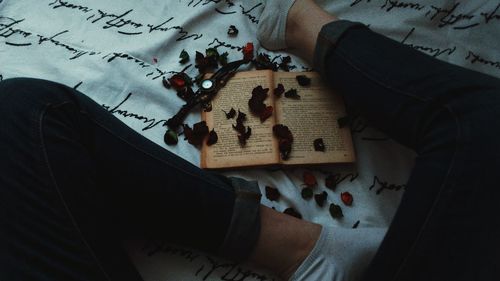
point(75, 181)
point(447, 226)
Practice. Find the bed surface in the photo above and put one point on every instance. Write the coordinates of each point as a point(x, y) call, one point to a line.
point(117, 52)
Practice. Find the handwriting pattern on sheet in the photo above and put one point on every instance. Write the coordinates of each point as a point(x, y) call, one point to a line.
point(413, 19)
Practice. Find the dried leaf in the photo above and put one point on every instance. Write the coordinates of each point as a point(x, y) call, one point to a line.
point(307, 193)
point(272, 193)
point(331, 181)
point(170, 137)
point(336, 211)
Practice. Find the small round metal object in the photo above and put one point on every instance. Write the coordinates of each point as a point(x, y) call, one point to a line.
point(207, 85)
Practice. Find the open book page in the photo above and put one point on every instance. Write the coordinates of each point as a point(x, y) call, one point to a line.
point(261, 148)
point(313, 116)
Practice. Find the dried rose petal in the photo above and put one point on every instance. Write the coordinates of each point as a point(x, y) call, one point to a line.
point(284, 65)
point(285, 140)
point(292, 212)
point(331, 181)
point(212, 138)
point(321, 198)
point(319, 145)
point(165, 83)
point(346, 198)
point(303, 80)
point(184, 56)
point(336, 211)
point(272, 193)
point(241, 116)
point(307, 193)
point(279, 90)
point(242, 138)
point(248, 51)
point(309, 179)
point(196, 135)
point(170, 137)
point(230, 114)
point(292, 94)
point(264, 115)
point(263, 61)
point(232, 31)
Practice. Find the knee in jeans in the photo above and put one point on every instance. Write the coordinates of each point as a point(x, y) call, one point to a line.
point(20, 95)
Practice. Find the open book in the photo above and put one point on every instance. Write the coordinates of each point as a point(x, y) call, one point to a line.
point(314, 115)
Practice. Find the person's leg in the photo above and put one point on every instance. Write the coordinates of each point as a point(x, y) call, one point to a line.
point(446, 226)
point(75, 181)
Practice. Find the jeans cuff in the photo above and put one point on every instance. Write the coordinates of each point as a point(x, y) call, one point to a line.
point(244, 229)
point(329, 35)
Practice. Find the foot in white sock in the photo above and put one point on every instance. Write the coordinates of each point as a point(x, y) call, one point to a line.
point(340, 254)
point(272, 24)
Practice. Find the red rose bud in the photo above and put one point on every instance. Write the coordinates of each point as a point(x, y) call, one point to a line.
point(248, 51)
point(178, 81)
point(346, 197)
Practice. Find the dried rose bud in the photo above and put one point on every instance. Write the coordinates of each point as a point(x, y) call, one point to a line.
point(336, 211)
point(212, 138)
point(346, 198)
point(279, 90)
point(170, 137)
point(292, 212)
point(321, 198)
point(319, 145)
point(272, 193)
point(306, 193)
point(309, 179)
point(303, 80)
point(248, 51)
point(179, 80)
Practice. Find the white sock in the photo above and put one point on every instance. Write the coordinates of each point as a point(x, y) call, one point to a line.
point(340, 254)
point(272, 24)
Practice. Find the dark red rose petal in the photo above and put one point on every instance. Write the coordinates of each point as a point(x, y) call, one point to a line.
point(196, 135)
point(309, 179)
point(303, 80)
point(230, 114)
point(346, 198)
point(292, 94)
point(272, 193)
point(285, 140)
point(292, 212)
point(319, 145)
point(178, 81)
point(331, 181)
point(264, 115)
point(279, 90)
point(212, 138)
point(321, 198)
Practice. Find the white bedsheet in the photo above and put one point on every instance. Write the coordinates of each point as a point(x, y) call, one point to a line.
point(117, 52)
